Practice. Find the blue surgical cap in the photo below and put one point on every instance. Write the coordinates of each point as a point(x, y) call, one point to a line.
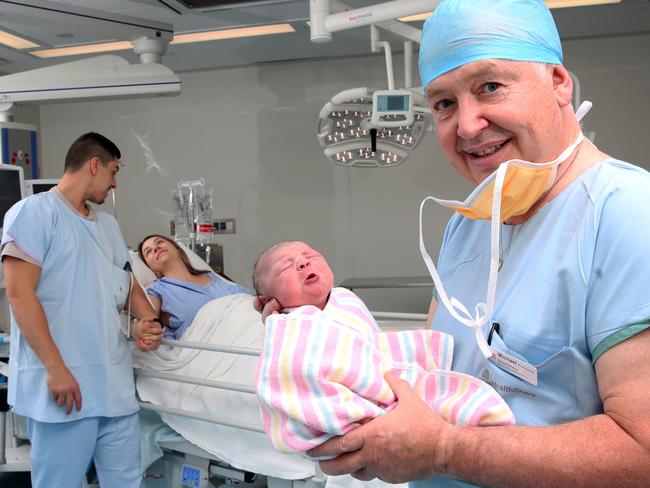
point(463, 31)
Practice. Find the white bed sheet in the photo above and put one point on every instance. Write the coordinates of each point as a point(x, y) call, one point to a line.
point(230, 320)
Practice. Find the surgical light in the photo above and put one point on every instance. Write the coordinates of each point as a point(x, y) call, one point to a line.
point(372, 128)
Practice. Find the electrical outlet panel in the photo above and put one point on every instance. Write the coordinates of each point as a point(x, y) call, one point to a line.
point(224, 226)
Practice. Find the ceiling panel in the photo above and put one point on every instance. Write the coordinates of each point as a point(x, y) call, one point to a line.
point(628, 17)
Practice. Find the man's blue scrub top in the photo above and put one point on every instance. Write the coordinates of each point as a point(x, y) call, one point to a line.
point(82, 289)
point(572, 284)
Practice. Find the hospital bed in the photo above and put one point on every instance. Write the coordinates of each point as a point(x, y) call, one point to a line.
point(209, 439)
point(221, 432)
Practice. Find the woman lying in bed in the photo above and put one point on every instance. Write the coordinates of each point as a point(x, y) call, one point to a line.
point(181, 289)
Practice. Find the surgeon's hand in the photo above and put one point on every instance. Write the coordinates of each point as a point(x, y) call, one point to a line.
point(266, 305)
point(147, 333)
point(64, 388)
point(407, 443)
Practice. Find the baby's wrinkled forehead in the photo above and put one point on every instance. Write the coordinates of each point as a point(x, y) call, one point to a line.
point(280, 251)
point(268, 258)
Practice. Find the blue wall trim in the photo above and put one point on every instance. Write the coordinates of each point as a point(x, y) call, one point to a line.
point(5, 146)
point(34, 153)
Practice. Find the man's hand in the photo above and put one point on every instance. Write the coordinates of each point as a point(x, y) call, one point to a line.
point(64, 388)
point(266, 305)
point(408, 443)
point(147, 333)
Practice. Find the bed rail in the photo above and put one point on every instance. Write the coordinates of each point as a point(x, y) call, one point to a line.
point(222, 385)
point(247, 351)
point(230, 386)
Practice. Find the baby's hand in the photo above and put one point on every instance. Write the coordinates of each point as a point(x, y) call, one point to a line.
point(266, 305)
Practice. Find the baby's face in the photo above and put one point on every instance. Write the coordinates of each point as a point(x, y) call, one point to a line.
point(296, 275)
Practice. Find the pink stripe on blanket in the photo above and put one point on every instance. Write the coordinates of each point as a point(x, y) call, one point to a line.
point(303, 387)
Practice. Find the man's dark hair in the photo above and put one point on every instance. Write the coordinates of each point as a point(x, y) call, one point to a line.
point(88, 146)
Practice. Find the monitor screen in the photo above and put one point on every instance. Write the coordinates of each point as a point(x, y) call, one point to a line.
point(11, 188)
point(393, 103)
point(32, 187)
point(41, 187)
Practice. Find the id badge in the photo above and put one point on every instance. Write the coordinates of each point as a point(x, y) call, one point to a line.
point(514, 366)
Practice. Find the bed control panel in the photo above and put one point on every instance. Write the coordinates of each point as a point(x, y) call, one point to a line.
point(190, 476)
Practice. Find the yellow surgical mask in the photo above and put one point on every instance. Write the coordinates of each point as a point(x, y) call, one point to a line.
point(524, 183)
point(522, 187)
point(511, 190)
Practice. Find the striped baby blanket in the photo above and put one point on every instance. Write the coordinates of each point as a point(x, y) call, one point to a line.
point(321, 373)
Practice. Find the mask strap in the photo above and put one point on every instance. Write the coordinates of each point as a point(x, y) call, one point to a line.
point(583, 109)
point(495, 223)
point(495, 229)
point(453, 305)
point(483, 311)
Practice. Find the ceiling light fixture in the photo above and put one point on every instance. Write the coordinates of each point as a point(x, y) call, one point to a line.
point(103, 47)
point(15, 41)
point(577, 3)
point(549, 4)
point(260, 30)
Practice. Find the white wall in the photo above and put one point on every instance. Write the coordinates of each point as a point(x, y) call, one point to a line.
point(251, 133)
point(25, 113)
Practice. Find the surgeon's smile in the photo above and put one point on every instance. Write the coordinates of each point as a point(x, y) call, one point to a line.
point(489, 155)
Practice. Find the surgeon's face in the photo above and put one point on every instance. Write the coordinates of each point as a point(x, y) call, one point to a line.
point(296, 275)
point(490, 111)
point(105, 179)
point(158, 253)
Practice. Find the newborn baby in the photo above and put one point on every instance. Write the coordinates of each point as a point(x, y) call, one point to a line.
point(324, 356)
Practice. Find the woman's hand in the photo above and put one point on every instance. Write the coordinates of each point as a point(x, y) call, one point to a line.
point(266, 305)
point(147, 333)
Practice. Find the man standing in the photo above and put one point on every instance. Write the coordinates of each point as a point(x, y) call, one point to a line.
point(564, 337)
point(70, 363)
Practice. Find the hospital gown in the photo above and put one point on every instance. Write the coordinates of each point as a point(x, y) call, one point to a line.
point(182, 299)
point(572, 285)
point(321, 373)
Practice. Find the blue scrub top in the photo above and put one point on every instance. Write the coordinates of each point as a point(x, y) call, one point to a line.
point(572, 277)
point(182, 300)
point(82, 288)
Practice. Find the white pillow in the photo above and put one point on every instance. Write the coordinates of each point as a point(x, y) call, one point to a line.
point(145, 276)
point(141, 271)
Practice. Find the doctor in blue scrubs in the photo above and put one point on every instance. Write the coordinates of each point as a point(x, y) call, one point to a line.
point(542, 276)
point(70, 367)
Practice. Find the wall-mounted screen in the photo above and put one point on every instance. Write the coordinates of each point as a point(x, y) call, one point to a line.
point(12, 188)
point(32, 187)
